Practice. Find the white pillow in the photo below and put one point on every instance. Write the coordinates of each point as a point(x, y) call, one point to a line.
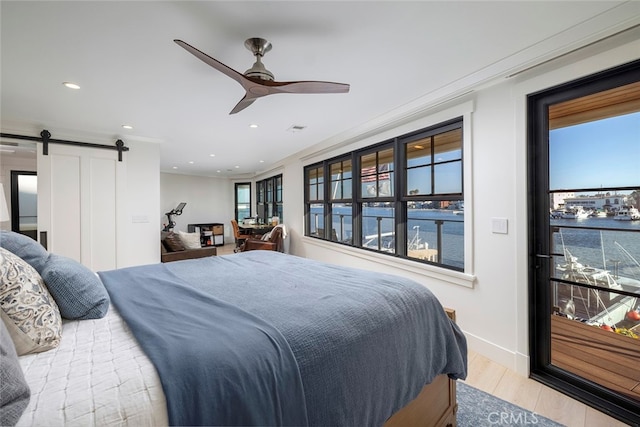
point(190, 240)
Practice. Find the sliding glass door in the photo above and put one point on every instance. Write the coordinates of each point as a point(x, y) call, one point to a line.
point(585, 239)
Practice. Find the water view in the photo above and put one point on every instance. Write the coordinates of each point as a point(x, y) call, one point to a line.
point(435, 235)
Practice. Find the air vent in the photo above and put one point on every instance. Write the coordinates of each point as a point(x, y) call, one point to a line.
point(296, 128)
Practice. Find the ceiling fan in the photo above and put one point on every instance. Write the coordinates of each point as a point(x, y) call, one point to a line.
point(257, 81)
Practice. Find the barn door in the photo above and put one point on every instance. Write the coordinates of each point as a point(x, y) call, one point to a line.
point(78, 190)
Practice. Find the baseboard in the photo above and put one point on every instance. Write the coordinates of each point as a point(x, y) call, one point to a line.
point(514, 361)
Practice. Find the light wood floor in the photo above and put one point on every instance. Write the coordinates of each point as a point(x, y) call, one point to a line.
point(531, 395)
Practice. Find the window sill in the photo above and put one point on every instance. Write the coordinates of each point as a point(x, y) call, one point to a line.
point(442, 274)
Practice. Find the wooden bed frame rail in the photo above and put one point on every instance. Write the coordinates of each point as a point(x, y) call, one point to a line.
point(435, 406)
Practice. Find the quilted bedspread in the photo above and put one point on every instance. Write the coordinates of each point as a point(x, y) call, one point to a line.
point(363, 344)
point(98, 376)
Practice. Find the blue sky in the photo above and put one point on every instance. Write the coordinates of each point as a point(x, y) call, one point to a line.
point(600, 154)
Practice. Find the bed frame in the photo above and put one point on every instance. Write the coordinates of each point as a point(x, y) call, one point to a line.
point(435, 406)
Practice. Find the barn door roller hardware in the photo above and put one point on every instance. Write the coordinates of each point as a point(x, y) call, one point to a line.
point(45, 139)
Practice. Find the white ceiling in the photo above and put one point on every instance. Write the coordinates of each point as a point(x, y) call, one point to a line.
point(397, 56)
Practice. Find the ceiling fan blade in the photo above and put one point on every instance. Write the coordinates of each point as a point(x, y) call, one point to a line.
point(244, 103)
point(258, 85)
point(228, 71)
point(306, 87)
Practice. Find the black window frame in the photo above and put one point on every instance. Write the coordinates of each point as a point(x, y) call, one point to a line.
point(269, 198)
point(237, 203)
point(398, 199)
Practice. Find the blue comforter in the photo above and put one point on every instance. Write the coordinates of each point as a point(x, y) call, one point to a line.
point(263, 338)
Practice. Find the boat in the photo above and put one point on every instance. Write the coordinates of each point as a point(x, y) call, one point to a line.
point(384, 242)
point(416, 248)
point(597, 214)
point(627, 213)
point(576, 213)
point(594, 305)
point(555, 214)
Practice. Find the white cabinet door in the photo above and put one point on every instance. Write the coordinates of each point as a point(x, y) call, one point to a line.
point(78, 192)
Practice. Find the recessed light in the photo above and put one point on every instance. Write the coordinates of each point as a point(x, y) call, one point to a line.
point(191, 162)
point(175, 167)
point(253, 125)
point(261, 161)
point(237, 167)
point(127, 127)
point(212, 155)
point(218, 171)
point(71, 85)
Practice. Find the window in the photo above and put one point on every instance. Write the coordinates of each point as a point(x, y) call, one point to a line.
point(402, 197)
point(376, 199)
point(341, 207)
point(269, 198)
point(315, 206)
point(243, 201)
point(433, 192)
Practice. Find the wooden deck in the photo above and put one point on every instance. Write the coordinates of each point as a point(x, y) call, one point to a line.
point(604, 357)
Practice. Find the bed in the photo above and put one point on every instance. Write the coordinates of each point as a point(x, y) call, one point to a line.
point(253, 338)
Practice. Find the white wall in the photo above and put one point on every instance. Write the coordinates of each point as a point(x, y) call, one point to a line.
point(208, 200)
point(493, 313)
point(139, 239)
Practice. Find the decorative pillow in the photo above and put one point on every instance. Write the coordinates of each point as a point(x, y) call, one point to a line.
point(173, 243)
point(27, 308)
point(25, 247)
point(14, 390)
point(78, 291)
point(190, 240)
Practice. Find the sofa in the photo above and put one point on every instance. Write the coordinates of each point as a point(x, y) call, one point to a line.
point(173, 249)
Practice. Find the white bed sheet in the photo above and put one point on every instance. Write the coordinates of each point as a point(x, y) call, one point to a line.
point(98, 376)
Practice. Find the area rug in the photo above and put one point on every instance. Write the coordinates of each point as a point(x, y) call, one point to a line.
point(479, 409)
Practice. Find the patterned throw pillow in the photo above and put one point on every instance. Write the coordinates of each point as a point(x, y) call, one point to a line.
point(27, 308)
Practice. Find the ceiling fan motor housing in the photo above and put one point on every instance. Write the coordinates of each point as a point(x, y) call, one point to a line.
point(258, 47)
point(258, 71)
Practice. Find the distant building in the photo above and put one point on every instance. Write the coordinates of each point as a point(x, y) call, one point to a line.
point(605, 202)
point(557, 199)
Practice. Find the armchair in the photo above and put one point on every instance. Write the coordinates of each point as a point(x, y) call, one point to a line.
point(273, 243)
